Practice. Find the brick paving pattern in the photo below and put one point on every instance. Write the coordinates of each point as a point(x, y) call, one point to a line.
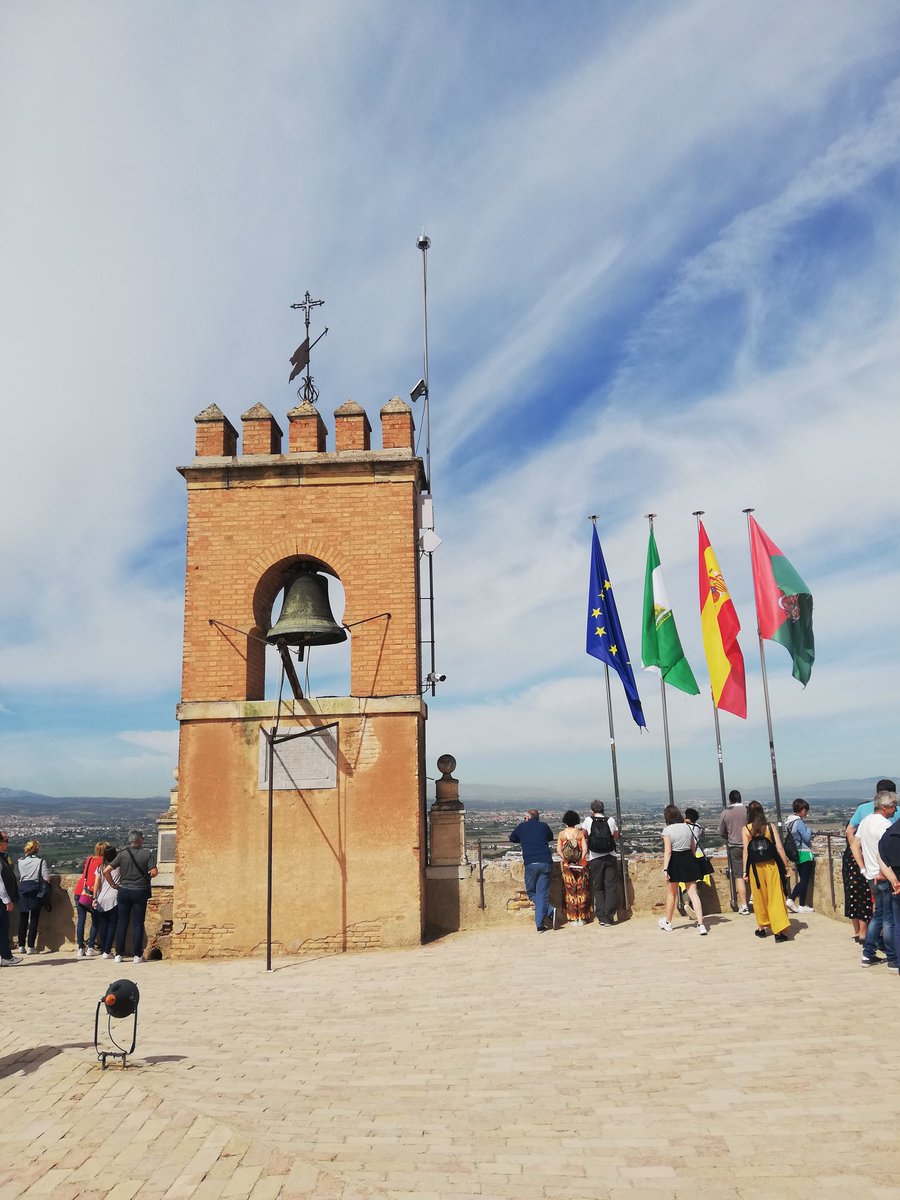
point(577, 1065)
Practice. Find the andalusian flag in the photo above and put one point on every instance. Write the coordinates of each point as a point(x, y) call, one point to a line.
point(720, 626)
point(605, 639)
point(784, 604)
point(660, 645)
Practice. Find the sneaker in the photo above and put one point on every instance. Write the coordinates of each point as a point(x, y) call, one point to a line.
point(791, 906)
point(702, 930)
point(606, 924)
point(761, 932)
point(29, 950)
point(89, 952)
point(80, 952)
point(872, 961)
point(12, 961)
point(744, 911)
point(105, 955)
point(782, 937)
point(805, 908)
point(137, 958)
point(665, 926)
point(118, 958)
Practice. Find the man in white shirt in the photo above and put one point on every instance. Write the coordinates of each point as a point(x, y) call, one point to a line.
point(603, 863)
point(864, 846)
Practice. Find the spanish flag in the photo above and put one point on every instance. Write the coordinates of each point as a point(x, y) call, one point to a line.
point(720, 626)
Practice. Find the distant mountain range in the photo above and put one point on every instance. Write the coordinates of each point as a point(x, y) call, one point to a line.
point(473, 795)
point(81, 808)
point(489, 795)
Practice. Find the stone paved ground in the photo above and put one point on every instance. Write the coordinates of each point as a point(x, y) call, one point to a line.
point(582, 1064)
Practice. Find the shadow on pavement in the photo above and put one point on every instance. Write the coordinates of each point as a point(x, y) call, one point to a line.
point(25, 1061)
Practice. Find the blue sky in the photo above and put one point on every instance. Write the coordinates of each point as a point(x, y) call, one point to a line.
point(664, 276)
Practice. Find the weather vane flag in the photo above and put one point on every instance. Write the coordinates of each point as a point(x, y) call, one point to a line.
point(720, 627)
point(784, 604)
point(300, 358)
point(604, 632)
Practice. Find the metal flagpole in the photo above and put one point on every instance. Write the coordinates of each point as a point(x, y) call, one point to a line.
point(615, 774)
point(762, 661)
point(721, 760)
point(665, 715)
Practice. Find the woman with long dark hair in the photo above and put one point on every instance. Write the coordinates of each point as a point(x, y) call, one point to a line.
point(680, 865)
point(762, 851)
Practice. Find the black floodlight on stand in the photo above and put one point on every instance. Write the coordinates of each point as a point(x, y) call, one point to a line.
point(120, 1000)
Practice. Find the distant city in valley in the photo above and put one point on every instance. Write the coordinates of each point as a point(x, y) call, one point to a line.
point(68, 827)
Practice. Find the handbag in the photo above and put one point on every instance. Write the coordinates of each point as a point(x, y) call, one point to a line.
point(83, 893)
point(571, 852)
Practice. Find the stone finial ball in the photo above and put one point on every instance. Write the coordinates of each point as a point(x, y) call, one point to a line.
point(446, 764)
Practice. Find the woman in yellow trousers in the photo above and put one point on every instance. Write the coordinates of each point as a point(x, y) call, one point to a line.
point(762, 849)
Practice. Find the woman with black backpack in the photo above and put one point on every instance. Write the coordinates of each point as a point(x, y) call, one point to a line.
point(762, 870)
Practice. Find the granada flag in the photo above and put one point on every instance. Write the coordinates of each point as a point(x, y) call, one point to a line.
point(720, 625)
point(784, 604)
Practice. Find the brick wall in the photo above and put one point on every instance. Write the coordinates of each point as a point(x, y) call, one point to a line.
point(350, 860)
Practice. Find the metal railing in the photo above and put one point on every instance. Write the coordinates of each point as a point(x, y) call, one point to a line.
point(510, 849)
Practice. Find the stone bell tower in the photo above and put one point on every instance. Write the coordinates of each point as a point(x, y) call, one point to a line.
point(348, 831)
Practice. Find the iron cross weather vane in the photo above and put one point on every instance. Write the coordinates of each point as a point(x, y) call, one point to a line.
point(300, 358)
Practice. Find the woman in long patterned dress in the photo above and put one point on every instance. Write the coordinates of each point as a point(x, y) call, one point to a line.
point(571, 846)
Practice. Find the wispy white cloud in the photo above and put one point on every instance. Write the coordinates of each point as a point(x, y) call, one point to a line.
point(589, 190)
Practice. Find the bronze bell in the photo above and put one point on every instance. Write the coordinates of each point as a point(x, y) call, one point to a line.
point(306, 617)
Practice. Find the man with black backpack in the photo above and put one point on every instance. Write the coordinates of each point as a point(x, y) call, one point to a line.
point(603, 864)
point(136, 869)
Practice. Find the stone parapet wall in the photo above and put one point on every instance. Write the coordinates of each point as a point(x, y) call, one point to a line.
point(455, 902)
point(56, 930)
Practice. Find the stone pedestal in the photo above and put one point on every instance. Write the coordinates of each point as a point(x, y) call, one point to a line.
point(447, 846)
point(165, 843)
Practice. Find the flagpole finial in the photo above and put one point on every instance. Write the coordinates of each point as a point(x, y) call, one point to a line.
point(593, 517)
point(699, 512)
point(748, 510)
point(650, 517)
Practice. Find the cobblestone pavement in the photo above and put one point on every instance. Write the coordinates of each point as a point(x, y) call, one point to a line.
point(581, 1064)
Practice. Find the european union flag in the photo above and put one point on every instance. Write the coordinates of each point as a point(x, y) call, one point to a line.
point(604, 633)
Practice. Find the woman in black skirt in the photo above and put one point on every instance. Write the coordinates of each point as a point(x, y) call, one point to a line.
point(857, 894)
point(681, 865)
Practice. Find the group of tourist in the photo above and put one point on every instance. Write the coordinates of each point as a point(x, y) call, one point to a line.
point(588, 860)
point(113, 890)
point(760, 859)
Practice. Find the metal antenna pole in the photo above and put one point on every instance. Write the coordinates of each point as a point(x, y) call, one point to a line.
point(423, 242)
point(765, 679)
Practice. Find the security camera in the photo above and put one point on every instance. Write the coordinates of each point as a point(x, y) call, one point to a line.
point(432, 678)
point(423, 241)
